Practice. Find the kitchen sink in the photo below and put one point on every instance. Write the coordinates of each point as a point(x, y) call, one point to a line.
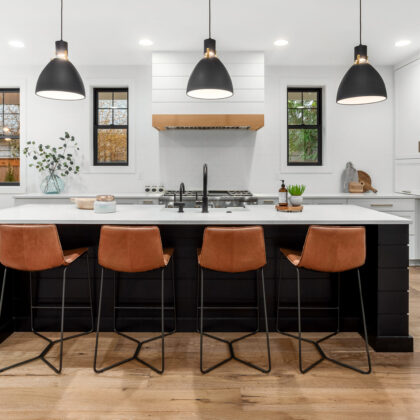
point(211, 209)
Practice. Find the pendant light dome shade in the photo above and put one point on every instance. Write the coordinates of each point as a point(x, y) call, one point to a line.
point(60, 80)
point(362, 84)
point(210, 80)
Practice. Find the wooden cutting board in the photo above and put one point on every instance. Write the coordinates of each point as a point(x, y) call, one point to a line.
point(365, 179)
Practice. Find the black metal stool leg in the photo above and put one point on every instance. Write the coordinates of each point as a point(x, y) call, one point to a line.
point(231, 342)
point(139, 343)
point(316, 343)
point(50, 342)
point(369, 369)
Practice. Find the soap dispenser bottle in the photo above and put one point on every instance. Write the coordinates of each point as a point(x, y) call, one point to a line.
point(283, 194)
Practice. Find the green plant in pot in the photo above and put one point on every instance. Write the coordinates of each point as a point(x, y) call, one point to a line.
point(55, 162)
point(295, 192)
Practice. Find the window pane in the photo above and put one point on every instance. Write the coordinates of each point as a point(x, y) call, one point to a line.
point(11, 124)
point(112, 145)
point(104, 116)
point(120, 117)
point(294, 99)
point(294, 116)
point(105, 99)
point(120, 99)
point(9, 137)
point(310, 117)
point(310, 99)
point(303, 145)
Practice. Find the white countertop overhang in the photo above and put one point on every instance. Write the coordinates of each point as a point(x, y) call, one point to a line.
point(158, 215)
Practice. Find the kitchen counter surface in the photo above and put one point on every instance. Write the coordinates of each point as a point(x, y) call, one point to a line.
point(154, 214)
point(369, 195)
point(71, 195)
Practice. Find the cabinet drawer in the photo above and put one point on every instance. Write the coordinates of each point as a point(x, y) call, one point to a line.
point(384, 204)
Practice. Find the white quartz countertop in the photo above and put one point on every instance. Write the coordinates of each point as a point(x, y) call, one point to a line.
point(257, 195)
point(71, 195)
point(154, 214)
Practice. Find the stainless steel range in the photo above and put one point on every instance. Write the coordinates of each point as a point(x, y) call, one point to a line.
point(216, 198)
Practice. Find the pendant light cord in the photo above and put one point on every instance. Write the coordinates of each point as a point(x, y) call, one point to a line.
point(209, 18)
point(360, 21)
point(61, 19)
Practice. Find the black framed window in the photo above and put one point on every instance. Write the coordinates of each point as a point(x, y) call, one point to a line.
point(304, 126)
point(9, 136)
point(110, 132)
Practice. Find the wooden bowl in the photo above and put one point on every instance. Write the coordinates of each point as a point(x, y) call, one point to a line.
point(83, 203)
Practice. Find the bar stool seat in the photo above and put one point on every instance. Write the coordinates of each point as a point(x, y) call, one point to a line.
point(35, 248)
point(232, 250)
point(134, 249)
point(167, 255)
point(292, 255)
point(71, 255)
point(329, 249)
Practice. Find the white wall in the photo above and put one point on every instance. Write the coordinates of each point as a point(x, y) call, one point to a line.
point(237, 159)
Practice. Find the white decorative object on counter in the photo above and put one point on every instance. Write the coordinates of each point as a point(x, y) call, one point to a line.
point(349, 175)
point(296, 200)
point(105, 204)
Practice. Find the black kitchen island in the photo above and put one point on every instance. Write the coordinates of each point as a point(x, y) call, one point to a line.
point(384, 276)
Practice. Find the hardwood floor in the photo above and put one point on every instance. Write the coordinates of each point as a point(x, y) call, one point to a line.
point(234, 391)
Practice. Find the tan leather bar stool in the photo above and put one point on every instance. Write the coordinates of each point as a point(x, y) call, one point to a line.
point(328, 249)
point(233, 250)
point(134, 249)
point(35, 248)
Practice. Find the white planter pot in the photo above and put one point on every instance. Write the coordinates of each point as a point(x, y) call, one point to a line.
point(296, 200)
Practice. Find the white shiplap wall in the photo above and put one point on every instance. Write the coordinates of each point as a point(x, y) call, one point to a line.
point(170, 73)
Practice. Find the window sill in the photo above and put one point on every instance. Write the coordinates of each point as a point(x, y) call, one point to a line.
point(305, 169)
point(103, 169)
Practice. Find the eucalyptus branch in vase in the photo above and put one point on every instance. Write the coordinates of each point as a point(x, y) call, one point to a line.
point(53, 160)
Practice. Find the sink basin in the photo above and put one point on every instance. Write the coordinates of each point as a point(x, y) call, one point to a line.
point(211, 210)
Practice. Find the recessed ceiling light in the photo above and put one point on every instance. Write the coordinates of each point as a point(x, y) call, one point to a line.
point(281, 42)
point(146, 42)
point(16, 44)
point(403, 43)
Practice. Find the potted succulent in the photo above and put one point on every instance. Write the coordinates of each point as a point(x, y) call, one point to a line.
point(56, 162)
point(296, 192)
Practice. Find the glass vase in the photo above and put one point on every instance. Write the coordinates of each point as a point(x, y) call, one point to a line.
point(52, 184)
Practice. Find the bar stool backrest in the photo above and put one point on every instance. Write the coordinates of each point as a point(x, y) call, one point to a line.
point(233, 249)
point(334, 249)
point(130, 249)
point(30, 247)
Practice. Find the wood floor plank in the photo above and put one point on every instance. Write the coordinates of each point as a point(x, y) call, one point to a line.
point(34, 392)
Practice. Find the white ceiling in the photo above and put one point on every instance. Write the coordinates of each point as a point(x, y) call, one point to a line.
point(106, 32)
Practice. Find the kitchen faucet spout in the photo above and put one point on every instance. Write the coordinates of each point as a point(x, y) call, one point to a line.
point(205, 202)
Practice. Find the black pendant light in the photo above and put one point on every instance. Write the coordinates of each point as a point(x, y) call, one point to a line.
point(210, 79)
point(362, 84)
point(60, 79)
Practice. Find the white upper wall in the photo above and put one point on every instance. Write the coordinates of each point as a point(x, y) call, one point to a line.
point(237, 159)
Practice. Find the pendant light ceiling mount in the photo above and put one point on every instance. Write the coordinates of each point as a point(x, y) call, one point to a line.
point(60, 79)
point(210, 79)
point(362, 84)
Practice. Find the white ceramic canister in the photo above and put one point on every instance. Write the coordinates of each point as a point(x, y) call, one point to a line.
point(105, 204)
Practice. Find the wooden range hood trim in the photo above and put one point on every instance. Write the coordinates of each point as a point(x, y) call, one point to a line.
point(207, 121)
